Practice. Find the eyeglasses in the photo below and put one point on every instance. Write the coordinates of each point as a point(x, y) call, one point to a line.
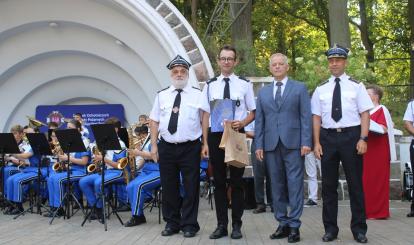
point(226, 59)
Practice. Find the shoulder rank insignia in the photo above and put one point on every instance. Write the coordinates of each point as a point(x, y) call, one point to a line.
point(244, 79)
point(353, 80)
point(324, 83)
point(196, 88)
point(212, 80)
point(163, 89)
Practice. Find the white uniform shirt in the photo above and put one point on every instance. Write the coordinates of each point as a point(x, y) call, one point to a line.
point(189, 117)
point(409, 113)
point(354, 100)
point(240, 90)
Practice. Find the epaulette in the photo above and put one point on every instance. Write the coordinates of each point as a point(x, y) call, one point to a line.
point(163, 89)
point(245, 79)
point(196, 88)
point(324, 83)
point(212, 80)
point(353, 80)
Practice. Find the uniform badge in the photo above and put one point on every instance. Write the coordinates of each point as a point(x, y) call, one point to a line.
point(237, 102)
point(176, 109)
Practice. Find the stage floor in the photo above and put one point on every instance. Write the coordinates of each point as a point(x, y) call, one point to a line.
point(34, 229)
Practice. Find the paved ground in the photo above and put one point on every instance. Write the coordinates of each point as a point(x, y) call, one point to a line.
point(33, 229)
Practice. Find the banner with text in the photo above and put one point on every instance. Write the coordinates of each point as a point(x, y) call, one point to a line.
point(91, 114)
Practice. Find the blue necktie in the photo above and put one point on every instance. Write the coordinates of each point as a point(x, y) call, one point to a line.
point(278, 97)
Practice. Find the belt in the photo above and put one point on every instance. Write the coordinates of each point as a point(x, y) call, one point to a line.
point(341, 130)
point(181, 143)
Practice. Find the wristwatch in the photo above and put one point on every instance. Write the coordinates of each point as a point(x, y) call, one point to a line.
point(364, 138)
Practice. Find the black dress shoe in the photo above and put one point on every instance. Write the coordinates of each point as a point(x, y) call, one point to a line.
point(329, 237)
point(411, 214)
point(136, 220)
point(189, 234)
point(281, 232)
point(8, 210)
point(260, 209)
point(236, 232)
point(294, 235)
point(361, 238)
point(169, 232)
point(221, 231)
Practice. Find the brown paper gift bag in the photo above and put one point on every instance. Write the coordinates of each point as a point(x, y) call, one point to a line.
point(235, 147)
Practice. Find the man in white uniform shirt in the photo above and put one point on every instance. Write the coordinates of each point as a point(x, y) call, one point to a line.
point(239, 90)
point(409, 126)
point(176, 117)
point(340, 108)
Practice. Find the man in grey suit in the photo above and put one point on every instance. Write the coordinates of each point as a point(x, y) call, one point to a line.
point(283, 136)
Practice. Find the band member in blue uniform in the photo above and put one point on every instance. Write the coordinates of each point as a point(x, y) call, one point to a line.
point(57, 180)
point(91, 184)
point(142, 186)
point(15, 190)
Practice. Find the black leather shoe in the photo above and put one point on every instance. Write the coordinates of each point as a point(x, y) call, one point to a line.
point(411, 214)
point(16, 211)
point(281, 232)
point(169, 232)
point(136, 220)
point(8, 210)
point(189, 234)
point(236, 232)
point(294, 235)
point(328, 237)
point(361, 238)
point(260, 209)
point(221, 231)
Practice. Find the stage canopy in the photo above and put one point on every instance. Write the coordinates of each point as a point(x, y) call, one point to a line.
point(73, 52)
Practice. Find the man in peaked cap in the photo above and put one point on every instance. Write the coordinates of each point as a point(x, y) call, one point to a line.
point(340, 108)
point(176, 117)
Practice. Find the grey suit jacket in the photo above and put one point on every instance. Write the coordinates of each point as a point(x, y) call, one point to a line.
point(291, 123)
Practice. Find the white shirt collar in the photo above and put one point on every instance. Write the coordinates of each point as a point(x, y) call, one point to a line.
point(284, 81)
point(185, 89)
point(221, 77)
point(343, 77)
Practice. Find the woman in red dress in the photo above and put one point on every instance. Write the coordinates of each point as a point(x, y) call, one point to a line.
point(376, 172)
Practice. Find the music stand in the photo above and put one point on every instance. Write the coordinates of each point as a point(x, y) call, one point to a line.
point(40, 146)
point(8, 145)
point(70, 140)
point(106, 139)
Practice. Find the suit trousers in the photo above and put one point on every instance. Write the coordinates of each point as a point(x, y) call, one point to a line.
point(286, 170)
point(341, 147)
point(220, 179)
point(180, 213)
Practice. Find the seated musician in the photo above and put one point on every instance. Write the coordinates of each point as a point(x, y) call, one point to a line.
point(142, 186)
point(91, 184)
point(78, 117)
point(24, 167)
point(57, 180)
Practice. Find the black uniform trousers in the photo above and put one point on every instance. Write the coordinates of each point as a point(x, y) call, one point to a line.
point(341, 147)
point(180, 210)
point(220, 179)
point(412, 168)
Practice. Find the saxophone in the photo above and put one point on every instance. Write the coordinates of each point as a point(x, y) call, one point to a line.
point(95, 167)
point(57, 150)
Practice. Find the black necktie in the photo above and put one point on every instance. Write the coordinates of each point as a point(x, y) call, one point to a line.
point(226, 94)
point(278, 96)
point(172, 125)
point(336, 101)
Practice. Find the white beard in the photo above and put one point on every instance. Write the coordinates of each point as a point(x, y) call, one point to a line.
point(179, 84)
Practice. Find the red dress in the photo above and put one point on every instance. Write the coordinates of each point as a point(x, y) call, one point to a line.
point(376, 172)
